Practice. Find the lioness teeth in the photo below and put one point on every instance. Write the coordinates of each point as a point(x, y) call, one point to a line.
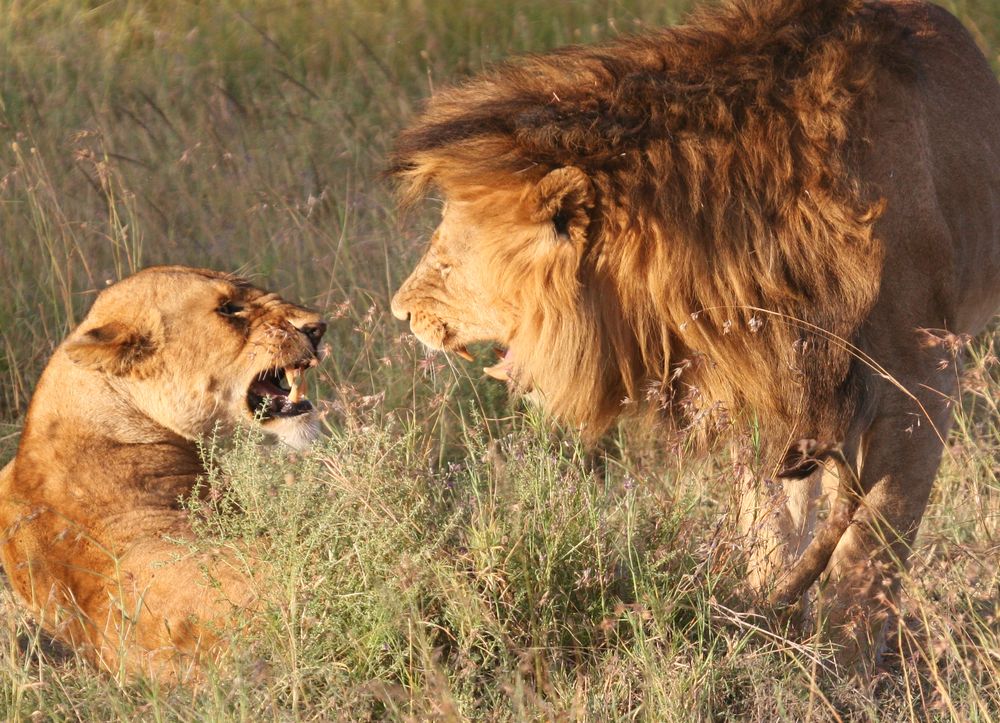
point(464, 353)
point(498, 371)
point(295, 384)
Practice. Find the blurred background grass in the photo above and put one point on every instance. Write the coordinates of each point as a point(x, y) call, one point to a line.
point(249, 136)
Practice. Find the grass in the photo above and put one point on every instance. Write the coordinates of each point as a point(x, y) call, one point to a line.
point(443, 554)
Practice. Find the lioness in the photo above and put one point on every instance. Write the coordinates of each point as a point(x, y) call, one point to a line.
point(108, 450)
point(764, 211)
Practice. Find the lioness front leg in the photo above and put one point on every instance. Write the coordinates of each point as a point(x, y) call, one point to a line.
point(169, 609)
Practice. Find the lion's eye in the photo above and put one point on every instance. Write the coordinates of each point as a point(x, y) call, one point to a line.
point(230, 308)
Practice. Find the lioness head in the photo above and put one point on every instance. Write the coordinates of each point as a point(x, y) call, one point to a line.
point(194, 350)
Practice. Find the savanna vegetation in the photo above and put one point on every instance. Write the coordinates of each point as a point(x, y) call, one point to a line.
point(444, 554)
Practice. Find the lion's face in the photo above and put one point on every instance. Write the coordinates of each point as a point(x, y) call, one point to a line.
point(194, 350)
point(501, 267)
point(451, 299)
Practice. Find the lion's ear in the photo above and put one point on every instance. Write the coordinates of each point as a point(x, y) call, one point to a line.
point(565, 198)
point(114, 348)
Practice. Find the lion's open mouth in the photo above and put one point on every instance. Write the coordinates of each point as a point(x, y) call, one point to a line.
point(279, 392)
point(504, 368)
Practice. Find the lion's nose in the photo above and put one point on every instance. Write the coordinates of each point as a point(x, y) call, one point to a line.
point(314, 331)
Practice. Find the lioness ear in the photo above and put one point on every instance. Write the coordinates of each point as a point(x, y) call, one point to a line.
point(565, 198)
point(114, 348)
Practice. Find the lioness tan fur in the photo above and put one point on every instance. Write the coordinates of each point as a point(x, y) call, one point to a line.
point(781, 210)
point(91, 506)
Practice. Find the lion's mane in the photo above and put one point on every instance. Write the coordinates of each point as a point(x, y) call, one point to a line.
point(724, 157)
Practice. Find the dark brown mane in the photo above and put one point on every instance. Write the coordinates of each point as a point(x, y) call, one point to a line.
point(587, 105)
point(723, 154)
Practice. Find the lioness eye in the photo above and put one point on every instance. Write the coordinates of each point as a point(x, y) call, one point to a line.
point(229, 308)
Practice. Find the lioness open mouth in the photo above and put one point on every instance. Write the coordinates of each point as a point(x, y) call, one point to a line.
point(279, 392)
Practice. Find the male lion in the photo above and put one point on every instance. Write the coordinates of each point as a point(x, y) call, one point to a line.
point(764, 211)
point(91, 501)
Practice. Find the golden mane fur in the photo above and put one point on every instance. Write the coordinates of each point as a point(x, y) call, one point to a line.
point(732, 219)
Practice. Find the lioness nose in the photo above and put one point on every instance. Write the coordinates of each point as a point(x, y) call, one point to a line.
point(397, 309)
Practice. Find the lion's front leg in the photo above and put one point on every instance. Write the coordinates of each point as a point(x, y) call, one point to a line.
point(776, 522)
point(900, 458)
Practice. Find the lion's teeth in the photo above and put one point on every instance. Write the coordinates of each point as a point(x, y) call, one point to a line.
point(498, 371)
point(464, 353)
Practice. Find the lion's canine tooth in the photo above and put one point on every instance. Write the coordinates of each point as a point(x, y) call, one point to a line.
point(464, 353)
point(498, 371)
